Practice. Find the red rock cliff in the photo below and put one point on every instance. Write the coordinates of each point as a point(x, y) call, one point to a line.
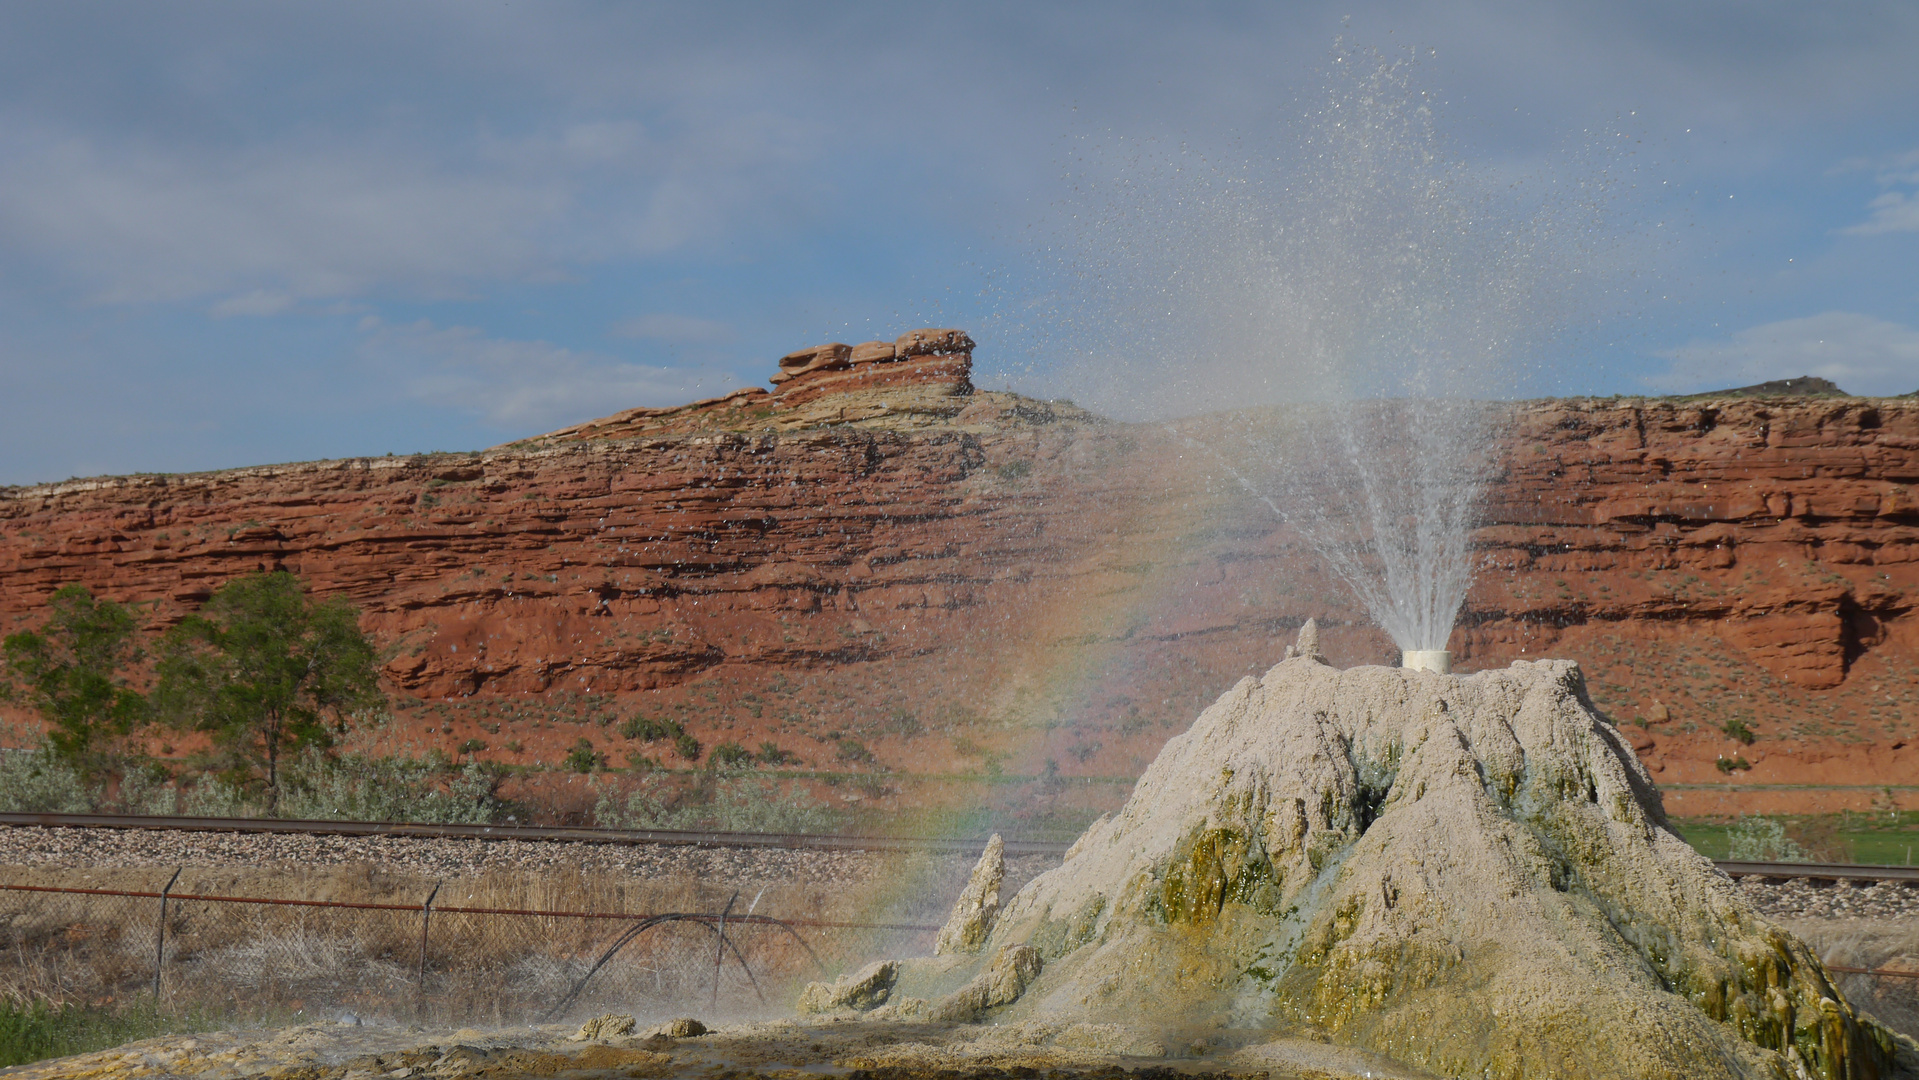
point(964, 580)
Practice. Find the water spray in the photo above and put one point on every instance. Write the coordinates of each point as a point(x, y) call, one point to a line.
point(1361, 274)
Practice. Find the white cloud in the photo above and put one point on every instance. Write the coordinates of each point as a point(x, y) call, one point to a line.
point(1862, 354)
point(519, 384)
point(665, 327)
point(1893, 210)
point(314, 216)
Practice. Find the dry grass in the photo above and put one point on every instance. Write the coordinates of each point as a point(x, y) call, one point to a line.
point(1870, 943)
point(256, 960)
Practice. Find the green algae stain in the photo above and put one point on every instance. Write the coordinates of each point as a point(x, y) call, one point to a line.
point(1212, 868)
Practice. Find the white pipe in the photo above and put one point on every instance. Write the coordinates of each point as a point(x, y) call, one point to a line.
point(1435, 660)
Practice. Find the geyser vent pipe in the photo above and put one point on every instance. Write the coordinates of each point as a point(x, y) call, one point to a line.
point(1438, 661)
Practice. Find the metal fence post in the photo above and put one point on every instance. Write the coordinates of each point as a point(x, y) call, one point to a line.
point(719, 948)
point(160, 939)
point(426, 917)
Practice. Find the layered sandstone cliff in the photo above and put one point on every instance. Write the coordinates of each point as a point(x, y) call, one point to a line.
point(917, 566)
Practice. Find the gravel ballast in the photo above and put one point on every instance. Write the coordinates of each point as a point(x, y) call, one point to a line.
point(77, 848)
point(94, 848)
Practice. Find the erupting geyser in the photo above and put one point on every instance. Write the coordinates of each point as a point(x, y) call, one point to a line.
point(1379, 870)
point(1469, 875)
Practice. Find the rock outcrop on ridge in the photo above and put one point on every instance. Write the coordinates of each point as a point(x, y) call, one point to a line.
point(922, 380)
point(1470, 875)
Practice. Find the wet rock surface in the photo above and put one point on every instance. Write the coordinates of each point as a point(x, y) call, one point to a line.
point(1470, 875)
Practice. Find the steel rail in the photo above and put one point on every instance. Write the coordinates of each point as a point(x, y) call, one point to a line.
point(1884, 973)
point(1819, 871)
point(534, 833)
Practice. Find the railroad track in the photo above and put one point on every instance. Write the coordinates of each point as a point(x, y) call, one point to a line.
point(788, 841)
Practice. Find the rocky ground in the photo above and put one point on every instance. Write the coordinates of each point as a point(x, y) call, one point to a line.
point(104, 849)
point(1805, 898)
point(1797, 898)
point(787, 1050)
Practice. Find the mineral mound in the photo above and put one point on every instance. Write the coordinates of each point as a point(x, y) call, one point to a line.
point(1469, 875)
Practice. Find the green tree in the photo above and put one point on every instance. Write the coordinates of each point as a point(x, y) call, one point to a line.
point(266, 671)
point(70, 671)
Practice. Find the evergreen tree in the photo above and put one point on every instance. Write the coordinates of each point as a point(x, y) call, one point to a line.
point(70, 671)
point(266, 671)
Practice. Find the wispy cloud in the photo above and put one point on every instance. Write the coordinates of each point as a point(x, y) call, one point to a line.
point(130, 220)
point(667, 327)
point(517, 384)
point(1862, 354)
point(1897, 209)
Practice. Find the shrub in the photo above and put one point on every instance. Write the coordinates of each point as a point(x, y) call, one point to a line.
point(687, 746)
point(1730, 765)
point(1760, 839)
point(1737, 729)
point(733, 804)
point(852, 750)
point(771, 754)
point(37, 782)
point(149, 789)
point(583, 758)
point(731, 755)
point(394, 789)
point(215, 796)
point(649, 730)
point(429, 791)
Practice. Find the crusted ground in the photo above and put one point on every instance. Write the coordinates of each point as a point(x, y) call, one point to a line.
point(786, 1050)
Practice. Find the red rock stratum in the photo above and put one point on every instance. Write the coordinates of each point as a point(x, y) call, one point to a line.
point(976, 583)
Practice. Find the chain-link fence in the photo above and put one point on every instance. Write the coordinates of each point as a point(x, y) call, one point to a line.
point(434, 959)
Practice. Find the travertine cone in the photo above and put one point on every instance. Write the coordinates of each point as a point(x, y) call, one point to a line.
point(972, 918)
point(1468, 874)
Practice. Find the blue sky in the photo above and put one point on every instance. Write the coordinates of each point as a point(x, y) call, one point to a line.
point(235, 234)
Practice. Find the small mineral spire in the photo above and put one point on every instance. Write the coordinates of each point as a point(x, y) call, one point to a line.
point(978, 906)
point(1308, 644)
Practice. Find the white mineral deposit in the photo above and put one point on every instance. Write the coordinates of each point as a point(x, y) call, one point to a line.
point(1464, 875)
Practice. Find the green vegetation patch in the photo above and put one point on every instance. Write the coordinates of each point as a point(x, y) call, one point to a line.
point(36, 1030)
point(1878, 838)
